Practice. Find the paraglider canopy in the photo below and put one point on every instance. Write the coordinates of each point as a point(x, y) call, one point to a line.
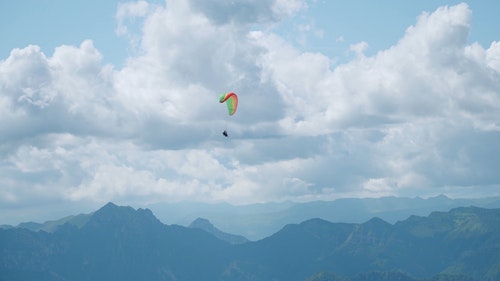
point(231, 100)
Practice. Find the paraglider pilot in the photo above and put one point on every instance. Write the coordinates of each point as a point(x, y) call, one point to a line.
point(225, 133)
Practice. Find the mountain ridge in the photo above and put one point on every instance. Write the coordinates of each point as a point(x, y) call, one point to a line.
point(122, 243)
point(257, 221)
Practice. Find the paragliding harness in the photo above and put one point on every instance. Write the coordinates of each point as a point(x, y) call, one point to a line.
point(225, 133)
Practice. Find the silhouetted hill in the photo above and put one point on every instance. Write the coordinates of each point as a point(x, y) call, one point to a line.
point(207, 226)
point(121, 243)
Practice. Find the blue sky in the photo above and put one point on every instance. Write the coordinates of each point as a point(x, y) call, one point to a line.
point(331, 25)
point(380, 24)
point(118, 101)
point(50, 24)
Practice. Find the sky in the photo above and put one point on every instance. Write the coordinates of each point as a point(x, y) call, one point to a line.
point(118, 101)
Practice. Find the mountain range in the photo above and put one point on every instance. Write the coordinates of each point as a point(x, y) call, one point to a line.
point(257, 221)
point(123, 243)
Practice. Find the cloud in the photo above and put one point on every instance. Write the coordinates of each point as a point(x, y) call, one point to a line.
point(247, 12)
point(417, 119)
point(431, 87)
point(130, 11)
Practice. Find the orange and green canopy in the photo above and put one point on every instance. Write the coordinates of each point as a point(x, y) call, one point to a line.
point(231, 100)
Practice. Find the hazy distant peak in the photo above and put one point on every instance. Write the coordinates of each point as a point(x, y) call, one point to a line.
point(201, 223)
point(206, 225)
point(376, 221)
point(112, 214)
point(111, 210)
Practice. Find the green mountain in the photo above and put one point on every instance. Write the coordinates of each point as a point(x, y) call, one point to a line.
point(122, 243)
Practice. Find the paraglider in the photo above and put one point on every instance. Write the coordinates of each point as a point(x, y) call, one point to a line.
point(231, 100)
